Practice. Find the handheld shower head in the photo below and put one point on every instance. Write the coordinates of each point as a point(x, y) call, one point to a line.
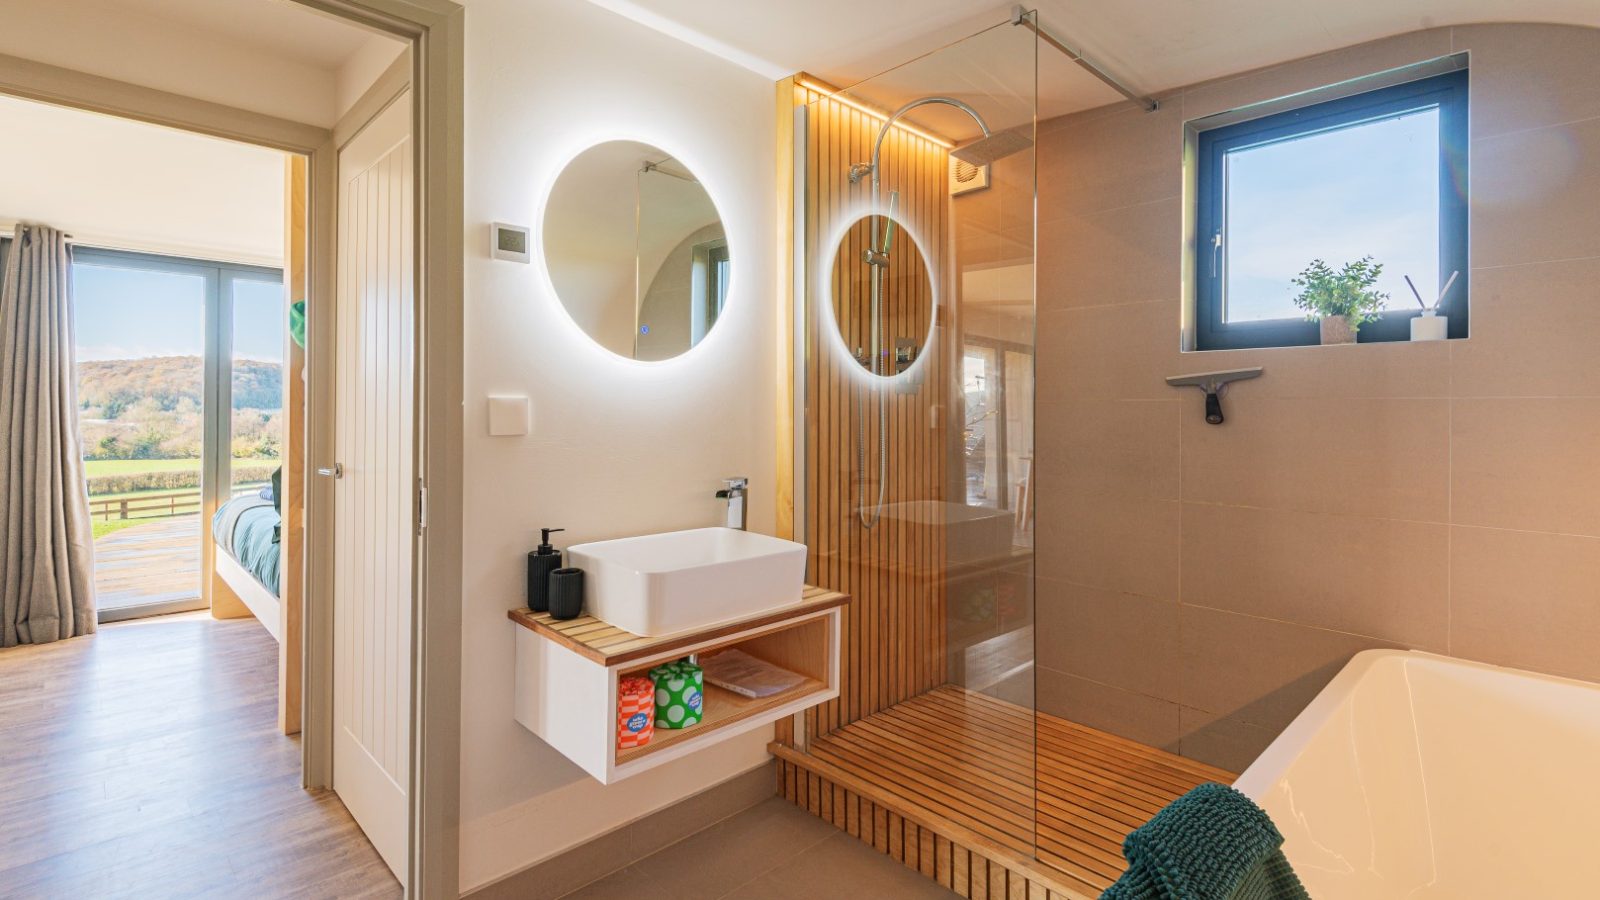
point(888, 225)
point(989, 148)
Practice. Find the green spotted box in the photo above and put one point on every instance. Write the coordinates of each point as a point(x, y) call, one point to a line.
point(680, 694)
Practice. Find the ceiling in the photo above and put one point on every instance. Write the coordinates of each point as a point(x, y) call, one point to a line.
point(1152, 45)
point(281, 27)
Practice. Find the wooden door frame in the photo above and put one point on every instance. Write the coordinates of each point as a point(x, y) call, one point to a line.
point(435, 31)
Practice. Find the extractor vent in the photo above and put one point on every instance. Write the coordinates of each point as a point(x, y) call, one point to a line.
point(965, 176)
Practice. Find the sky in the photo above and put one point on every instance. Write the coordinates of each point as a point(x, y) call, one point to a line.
point(135, 313)
point(1371, 189)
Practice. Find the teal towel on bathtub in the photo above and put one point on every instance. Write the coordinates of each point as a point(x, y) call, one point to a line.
point(1212, 843)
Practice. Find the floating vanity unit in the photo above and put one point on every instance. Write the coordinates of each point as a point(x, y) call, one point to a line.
point(567, 674)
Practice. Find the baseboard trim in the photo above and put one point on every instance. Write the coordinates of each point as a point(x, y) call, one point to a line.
point(623, 846)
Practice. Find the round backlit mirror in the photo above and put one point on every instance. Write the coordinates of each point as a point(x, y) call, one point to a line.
point(636, 250)
point(883, 294)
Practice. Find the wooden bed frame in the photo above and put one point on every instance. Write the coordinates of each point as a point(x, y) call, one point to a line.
point(232, 582)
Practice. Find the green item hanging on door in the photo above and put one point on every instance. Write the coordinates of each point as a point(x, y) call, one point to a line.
point(297, 323)
point(680, 697)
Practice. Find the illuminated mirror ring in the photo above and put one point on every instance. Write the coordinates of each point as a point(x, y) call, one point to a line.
point(636, 250)
point(907, 281)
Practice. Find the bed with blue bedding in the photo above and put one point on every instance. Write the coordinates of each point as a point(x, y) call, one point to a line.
point(246, 528)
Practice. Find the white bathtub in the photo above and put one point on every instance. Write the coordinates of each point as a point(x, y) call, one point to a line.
point(1421, 776)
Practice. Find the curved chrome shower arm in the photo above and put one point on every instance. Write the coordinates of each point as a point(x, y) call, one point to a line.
point(877, 145)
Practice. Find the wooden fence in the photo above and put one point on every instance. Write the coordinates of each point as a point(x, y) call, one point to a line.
point(162, 506)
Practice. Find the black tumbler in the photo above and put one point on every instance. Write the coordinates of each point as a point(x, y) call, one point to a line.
point(566, 593)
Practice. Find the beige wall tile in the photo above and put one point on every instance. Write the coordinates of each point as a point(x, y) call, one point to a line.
point(1112, 158)
point(1528, 464)
point(1133, 716)
point(1527, 600)
point(1380, 577)
point(1397, 369)
point(1093, 633)
point(1378, 458)
point(1530, 76)
point(1534, 330)
point(1535, 195)
point(1118, 448)
point(1118, 543)
point(1130, 254)
point(1221, 741)
point(1314, 72)
point(1259, 671)
point(1115, 352)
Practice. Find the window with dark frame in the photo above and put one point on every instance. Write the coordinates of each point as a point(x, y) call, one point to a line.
point(1380, 174)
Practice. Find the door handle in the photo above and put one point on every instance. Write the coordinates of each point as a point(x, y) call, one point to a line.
point(336, 472)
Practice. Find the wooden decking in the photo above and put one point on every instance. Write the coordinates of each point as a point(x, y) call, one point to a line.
point(950, 776)
point(154, 562)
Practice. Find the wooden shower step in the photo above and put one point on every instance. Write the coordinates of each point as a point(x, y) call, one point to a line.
point(945, 782)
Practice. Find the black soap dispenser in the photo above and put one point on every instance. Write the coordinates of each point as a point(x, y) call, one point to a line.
point(541, 563)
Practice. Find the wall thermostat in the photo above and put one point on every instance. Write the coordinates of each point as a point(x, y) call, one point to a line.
point(509, 242)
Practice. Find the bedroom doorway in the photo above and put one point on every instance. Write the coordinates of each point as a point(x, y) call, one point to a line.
point(181, 402)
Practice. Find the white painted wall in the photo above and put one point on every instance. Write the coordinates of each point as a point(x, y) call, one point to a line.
point(362, 68)
point(117, 183)
point(617, 447)
point(281, 59)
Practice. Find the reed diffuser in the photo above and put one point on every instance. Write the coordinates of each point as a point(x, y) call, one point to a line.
point(1430, 326)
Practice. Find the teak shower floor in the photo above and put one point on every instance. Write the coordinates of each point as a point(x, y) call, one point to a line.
point(945, 782)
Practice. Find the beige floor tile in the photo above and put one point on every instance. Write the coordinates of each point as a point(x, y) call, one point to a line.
point(718, 860)
point(842, 867)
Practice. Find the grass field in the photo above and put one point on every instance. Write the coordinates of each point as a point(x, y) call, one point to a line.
point(93, 467)
point(101, 529)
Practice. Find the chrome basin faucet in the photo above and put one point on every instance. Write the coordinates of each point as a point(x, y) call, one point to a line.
point(738, 508)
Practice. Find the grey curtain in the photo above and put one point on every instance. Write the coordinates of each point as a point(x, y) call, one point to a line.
point(46, 543)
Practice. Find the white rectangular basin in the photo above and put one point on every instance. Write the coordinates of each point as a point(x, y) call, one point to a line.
point(663, 584)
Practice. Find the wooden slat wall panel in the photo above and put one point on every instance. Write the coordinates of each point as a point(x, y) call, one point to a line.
point(893, 637)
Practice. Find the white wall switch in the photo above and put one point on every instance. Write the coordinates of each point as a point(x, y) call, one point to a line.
point(509, 416)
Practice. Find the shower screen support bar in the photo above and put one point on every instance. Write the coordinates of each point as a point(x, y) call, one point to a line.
point(1019, 16)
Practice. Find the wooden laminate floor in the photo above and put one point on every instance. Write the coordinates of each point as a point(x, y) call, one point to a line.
point(969, 759)
point(145, 761)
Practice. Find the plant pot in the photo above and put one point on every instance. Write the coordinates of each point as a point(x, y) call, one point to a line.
point(1337, 330)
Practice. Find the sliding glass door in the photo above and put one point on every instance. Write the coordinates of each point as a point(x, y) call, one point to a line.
point(166, 407)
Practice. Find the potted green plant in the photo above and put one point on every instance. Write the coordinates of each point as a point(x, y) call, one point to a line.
point(1342, 301)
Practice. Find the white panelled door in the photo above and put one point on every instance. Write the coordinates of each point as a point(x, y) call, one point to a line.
point(373, 513)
